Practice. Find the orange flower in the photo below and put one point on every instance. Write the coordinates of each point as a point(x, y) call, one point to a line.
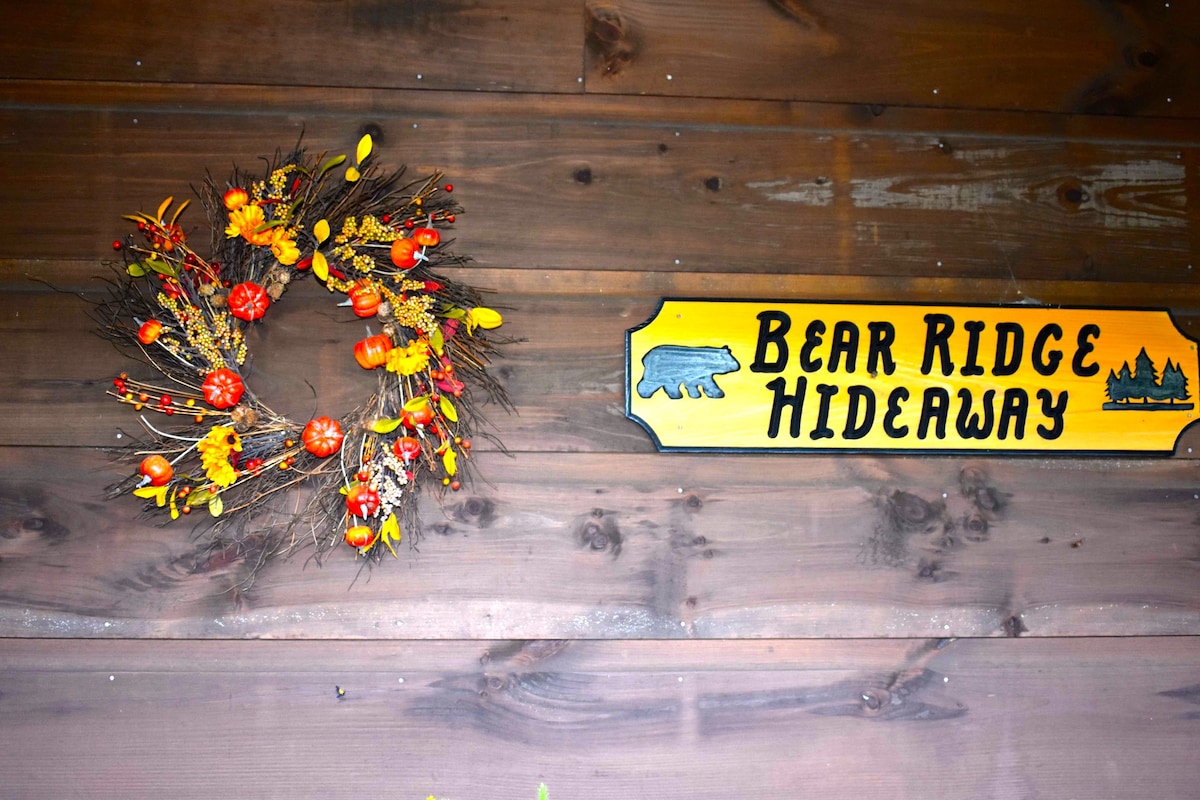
point(284, 247)
point(245, 222)
point(236, 198)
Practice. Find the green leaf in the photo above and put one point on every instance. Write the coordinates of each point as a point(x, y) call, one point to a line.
point(275, 223)
point(454, 313)
point(330, 164)
point(162, 267)
point(136, 270)
point(448, 409)
point(385, 425)
point(543, 792)
point(216, 506)
point(437, 340)
point(417, 403)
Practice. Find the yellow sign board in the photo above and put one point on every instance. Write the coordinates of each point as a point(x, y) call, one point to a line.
point(762, 375)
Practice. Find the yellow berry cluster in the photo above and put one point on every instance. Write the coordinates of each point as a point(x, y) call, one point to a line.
point(210, 342)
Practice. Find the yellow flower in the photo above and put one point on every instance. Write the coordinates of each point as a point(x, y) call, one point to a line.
point(284, 247)
point(409, 360)
point(215, 449)
point(245, 221)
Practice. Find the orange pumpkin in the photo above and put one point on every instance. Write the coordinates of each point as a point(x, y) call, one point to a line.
point(365, 298)
point(322, 436)
point(404, 253)
point(362, 500)
point(223, 388)
point(157, 469)
point(407, 449)
point(426, 237)
point(150, 331)
point(372, 351)
point(360, 536)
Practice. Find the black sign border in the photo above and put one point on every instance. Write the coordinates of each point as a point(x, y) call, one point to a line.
point(1007, 453)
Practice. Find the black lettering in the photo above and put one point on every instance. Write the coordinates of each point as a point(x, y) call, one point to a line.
point(898, 396)
point(938, 328)
point(1014, 409)
point(934, 411)
point(859, 395)
point(974, 327)
point(822, 430)
point(1010, 339)
point(975, 426)
point(883, 334)
point(1083, 348)
point(1047, 363)
point(793, 401)
point(845, 342)
point(772, 327)
point(1055, 411)
point(812, 340)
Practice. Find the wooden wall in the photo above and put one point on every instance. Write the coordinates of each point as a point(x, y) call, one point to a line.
point(611, 621)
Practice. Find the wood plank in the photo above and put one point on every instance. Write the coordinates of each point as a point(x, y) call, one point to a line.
point(499, 45)
point(566, 375)
point(775, 719)
point(1062, 56)
point(547, 194)
point(641, 546)
point(686, 112)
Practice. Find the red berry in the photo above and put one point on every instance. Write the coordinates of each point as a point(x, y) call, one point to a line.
point(449, 187)
point(116, 244)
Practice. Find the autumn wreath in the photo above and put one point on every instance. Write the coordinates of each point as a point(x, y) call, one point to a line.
point(209, 445)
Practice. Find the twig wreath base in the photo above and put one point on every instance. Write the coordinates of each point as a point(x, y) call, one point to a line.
point(210, 449)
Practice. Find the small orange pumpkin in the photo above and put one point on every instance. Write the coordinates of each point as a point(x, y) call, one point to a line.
point(404, 253)
point(372, 351)
point(427, 237)
point(322, 436)
point(365, 298)
point(157, 469)
point(360, 536)
point(150, 331)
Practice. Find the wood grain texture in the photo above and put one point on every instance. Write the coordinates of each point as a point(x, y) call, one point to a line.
point(641, 546)
point(775, 719)
point(1063, 56)
point(543, 193)
point(566, 372)
point(495, 45)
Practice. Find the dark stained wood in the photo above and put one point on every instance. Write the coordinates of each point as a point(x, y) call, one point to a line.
point(498, 45)
point(547, 194)
point(566, 375)
point(1064, 55)
point(775, 719)
point(797, 150)
point(570, 545)
point(608, 108)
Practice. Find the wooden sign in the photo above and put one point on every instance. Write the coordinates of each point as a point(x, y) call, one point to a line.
point(800, 376)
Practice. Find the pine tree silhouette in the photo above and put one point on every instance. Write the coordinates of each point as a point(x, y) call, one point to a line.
point(1174, 383)
point(1145, 378)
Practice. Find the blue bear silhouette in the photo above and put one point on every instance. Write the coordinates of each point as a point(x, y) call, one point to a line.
point(670, 366)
